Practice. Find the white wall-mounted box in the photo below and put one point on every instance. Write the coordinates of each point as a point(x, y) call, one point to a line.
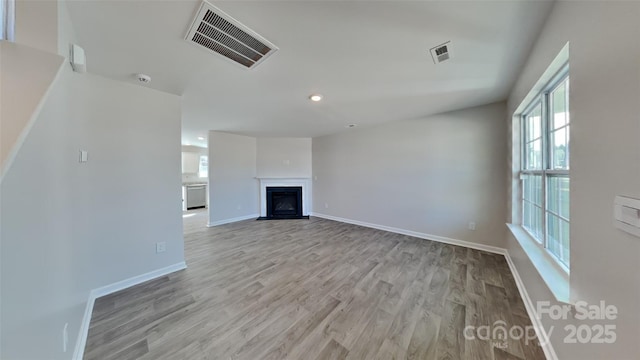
point(626, 212)
point(78, 59)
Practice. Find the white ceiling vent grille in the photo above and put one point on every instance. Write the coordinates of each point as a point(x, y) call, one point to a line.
point(441, 53)
point(220, 33)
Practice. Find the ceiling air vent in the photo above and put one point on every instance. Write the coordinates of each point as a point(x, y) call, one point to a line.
point(220, 33)
point(440, 53)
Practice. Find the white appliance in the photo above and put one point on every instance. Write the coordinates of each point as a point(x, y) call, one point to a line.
point(195, 196)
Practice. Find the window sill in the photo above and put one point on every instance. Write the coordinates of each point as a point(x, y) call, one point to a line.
point(555, 277)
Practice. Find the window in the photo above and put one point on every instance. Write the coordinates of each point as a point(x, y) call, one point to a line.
point(203, 167)
point(7, 16)
point(545, 167)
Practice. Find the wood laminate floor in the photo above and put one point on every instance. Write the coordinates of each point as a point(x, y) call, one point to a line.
point(312, 289)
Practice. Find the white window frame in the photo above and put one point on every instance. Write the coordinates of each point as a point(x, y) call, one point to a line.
point(7, 19)
point(543, 98)
point(202, 172)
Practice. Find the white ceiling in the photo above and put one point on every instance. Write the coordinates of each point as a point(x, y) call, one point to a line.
point(370, 59)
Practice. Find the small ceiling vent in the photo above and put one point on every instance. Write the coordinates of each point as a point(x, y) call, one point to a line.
point(222, 34)
point(440, 53)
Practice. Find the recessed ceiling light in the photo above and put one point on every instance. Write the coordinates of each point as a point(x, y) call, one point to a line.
point(315, 97)
point(351, 125)
point(200, 138)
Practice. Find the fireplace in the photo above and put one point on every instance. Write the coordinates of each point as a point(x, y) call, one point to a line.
point(303, 201)
point(284, 202)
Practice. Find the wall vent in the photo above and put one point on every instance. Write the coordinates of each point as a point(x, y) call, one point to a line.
point(218, 32)
point(441, 52)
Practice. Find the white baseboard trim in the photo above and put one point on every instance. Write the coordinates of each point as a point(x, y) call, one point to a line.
point(545, 342)
point(442, 239)
point(549, 352)
point(232, 220)
point(109, 289)
point(83, 333)
point(121, 285)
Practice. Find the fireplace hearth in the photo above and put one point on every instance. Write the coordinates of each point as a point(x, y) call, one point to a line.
point(283, 202)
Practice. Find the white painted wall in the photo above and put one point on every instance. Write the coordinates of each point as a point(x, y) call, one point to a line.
point(432, 175)
point(284, 157)
point(27, 73)
point(66, 227)
point(605, 161)
point(36, 24)
point(233, 187)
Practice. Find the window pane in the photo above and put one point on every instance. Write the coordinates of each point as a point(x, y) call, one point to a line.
point(564, 247)
point(553, 234)
point(527, 215)
point(558, 237)
point(203, 166)
point(538, 223)
point(560, 105)
point(533, 155)
point(532, 189)
point(533, 124)
point(532, 219)
point(558, 195)
point(560, 148)
point(537, 190)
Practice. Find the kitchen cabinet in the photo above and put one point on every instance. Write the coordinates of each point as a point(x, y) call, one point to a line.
point(190, 162)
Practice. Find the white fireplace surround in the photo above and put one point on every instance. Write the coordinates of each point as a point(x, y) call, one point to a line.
point(305, 183)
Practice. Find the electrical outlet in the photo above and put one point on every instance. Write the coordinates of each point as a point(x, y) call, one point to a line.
point(472, 225)
point(326, 206)
point(161, 247)
point(65, 337)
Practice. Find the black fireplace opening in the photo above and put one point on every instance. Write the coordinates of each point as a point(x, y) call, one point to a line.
point(284, 202)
